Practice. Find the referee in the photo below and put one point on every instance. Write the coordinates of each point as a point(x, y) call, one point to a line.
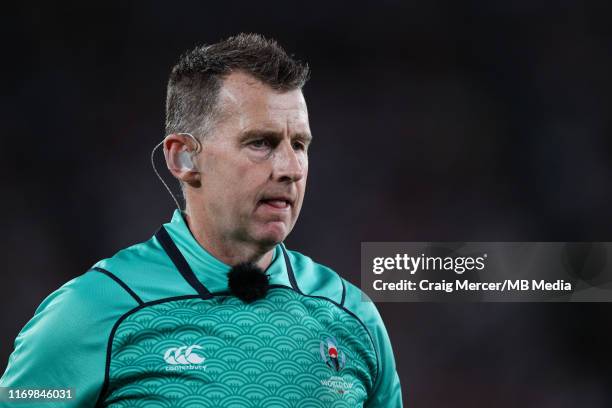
point(214, 310)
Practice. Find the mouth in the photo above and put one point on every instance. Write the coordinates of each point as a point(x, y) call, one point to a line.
point(277, 202)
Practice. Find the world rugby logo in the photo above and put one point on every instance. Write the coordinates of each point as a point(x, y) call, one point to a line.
point(331, 354)
point(183, 355)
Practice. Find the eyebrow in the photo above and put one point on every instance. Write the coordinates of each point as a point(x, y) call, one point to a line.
point(254, 133)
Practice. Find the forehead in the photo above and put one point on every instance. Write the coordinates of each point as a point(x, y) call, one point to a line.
point(247, 104)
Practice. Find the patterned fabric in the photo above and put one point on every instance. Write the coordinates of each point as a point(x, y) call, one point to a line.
point(265, 354)
point(155, 326)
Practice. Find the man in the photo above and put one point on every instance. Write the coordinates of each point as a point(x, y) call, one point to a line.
point(160, 323)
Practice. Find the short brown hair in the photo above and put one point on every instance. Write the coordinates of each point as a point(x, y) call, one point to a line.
point(195, 81)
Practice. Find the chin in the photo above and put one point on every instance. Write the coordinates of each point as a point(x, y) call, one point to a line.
point(271, 235)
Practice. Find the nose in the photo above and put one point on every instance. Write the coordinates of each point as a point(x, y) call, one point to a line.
point(289, 165)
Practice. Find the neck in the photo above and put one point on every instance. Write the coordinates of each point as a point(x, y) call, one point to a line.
point(228, 251)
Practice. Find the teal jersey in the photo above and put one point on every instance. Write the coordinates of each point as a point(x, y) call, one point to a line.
point(156, 326)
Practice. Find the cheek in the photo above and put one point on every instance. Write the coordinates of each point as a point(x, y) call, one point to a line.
point(240, 183)
point(219, 183)
point(221, 170)
point(302, 181)
point(301, 187)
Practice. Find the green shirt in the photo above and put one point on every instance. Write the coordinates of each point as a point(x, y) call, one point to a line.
point(155, 326)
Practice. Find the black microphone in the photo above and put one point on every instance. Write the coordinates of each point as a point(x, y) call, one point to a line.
point(248, 282)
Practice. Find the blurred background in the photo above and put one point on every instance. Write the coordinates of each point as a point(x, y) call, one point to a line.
point(433, 121)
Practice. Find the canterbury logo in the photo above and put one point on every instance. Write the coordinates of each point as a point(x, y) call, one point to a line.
point(183, 355)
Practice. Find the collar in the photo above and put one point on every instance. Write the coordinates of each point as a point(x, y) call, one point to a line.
point(208, 270)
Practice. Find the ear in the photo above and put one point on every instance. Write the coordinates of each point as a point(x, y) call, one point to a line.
point(180, 150)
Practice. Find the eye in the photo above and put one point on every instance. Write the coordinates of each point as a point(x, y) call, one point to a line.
point(297, 145)
point(260, 144)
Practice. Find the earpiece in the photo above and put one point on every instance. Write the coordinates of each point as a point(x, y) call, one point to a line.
point(183, 160)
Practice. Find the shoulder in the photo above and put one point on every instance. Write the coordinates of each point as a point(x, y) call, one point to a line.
point(362, 306)
point(64, 343)
point(315, 279)
point(146, 270)
point(88, 300)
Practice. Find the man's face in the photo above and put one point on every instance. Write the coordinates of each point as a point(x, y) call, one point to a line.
point(254, 164)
